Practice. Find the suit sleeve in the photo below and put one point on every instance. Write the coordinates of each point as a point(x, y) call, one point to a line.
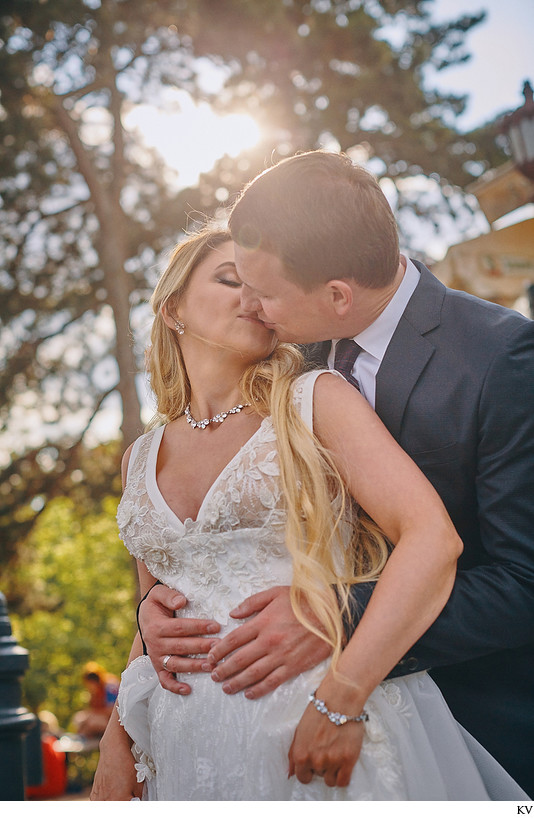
point(491, 607)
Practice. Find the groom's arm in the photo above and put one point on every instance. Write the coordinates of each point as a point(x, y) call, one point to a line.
point(491, 606)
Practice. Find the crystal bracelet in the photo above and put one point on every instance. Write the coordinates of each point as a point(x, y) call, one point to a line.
point(335, 716)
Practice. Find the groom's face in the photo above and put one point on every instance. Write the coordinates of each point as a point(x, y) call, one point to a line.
point(294, 314)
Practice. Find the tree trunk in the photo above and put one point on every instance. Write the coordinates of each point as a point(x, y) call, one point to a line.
point(113, 256)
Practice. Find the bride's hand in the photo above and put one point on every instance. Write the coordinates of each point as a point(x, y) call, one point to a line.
point(115, 778)
point(116, 781)
point(321, 748)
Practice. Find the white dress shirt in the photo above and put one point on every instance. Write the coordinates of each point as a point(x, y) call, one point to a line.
point(374, 340)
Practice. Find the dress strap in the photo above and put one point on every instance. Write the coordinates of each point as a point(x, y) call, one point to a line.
point(133, 456)
point(142, 449)
point(303, 394)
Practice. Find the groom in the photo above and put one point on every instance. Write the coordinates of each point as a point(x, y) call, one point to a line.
point(452, 377)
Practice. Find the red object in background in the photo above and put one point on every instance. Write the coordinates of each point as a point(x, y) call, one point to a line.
point(54, 772)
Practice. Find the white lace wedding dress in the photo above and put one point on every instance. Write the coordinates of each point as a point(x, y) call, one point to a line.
point(212, 746)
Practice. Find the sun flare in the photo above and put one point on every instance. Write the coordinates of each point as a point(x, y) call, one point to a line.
point(191, 137)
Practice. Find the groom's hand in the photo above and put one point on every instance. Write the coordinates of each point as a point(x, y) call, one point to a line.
point(271, 648)
point(164, 634)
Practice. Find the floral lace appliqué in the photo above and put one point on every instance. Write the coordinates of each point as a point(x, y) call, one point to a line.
point(144, 766)
point(236, 546)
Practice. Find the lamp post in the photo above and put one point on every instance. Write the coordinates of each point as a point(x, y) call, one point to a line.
point(15, 721)
point(518, 126)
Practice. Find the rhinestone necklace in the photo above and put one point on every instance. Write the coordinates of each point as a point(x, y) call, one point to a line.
point(217, 419)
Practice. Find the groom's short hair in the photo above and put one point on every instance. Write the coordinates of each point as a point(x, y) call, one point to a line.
point(324, 217)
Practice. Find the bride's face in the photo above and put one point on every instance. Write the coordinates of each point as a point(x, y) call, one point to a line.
point(212, 313)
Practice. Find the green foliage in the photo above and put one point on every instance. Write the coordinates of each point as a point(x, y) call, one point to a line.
point(79, 603)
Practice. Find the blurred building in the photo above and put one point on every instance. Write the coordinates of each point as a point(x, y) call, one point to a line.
point(499, 265)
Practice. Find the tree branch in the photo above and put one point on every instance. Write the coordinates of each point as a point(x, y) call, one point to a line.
point(85, 166)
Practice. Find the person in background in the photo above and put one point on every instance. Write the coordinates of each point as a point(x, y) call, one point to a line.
point(103, 688)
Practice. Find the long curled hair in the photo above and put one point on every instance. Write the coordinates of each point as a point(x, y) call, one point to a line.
point(319, 511)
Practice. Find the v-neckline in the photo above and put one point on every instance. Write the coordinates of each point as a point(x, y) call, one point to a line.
point(154, 491)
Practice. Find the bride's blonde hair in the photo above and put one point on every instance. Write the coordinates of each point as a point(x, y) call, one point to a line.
point(319, 512)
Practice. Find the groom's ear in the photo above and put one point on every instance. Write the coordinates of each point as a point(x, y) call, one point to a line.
point(340, 296)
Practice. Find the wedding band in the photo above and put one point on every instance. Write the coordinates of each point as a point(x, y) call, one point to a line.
point(166, 660)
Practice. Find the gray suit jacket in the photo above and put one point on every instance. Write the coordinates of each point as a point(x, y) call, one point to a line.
point(456, 390)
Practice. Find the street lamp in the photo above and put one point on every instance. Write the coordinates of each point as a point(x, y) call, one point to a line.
point(518, 126)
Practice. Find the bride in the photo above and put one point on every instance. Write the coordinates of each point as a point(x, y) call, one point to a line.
point(240, 486)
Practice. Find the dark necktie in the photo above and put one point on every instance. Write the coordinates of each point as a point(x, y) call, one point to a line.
point(347, 351)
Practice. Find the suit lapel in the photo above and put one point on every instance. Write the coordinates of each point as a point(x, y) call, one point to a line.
point(409, 351)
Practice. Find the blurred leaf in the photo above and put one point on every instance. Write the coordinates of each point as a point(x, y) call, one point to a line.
point(76, 602)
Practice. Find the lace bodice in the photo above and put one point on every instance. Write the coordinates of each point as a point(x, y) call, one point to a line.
point(235, 547)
